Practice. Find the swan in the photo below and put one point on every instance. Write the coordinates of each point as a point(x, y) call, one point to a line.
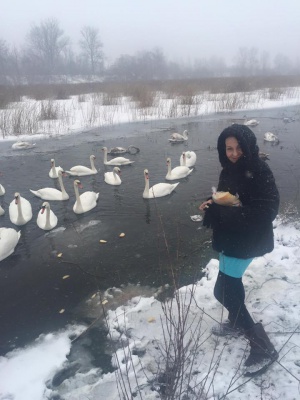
point(54, 170)
point(117, 150)
point(20, 211)
point(270, 137)
point(51, 193)
point(2, 212)
point(22, 145)
point(251, 122)
point(80, 170)
point(177, 137)
point(121, 150)
point(117, 160)
point(48, 221)
point(177, 172)
point(9, 238)
point(188, 158)
point(113, 178)
point(158, 190)
point(2, 190)
point(86, 201)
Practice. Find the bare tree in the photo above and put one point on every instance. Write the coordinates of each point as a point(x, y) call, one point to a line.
point(91, 47)
point(282, 64)
point(264, 62)
point(4, 58)
point(46, 43)
point(247, 61)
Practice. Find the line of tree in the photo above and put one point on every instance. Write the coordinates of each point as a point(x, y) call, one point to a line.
point(48, 55)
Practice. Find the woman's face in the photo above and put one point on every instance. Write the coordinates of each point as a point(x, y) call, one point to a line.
point(233, 149)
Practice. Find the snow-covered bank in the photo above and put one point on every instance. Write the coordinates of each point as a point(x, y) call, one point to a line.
point(59, 117)
point(272, 286)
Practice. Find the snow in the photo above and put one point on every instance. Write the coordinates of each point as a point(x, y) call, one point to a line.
point(74, 115)
point(213, 367)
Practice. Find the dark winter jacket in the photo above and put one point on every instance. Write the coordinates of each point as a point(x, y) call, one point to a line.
point(245, 231)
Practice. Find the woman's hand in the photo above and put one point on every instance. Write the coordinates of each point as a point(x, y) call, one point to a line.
point(204, 205)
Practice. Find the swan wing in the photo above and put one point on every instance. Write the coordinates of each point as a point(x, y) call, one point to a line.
point(119, 161)
point(81, 170)
point(112, 179)
point(50, 194)
point(161, 189)
point(9, 238)
point(88, 200)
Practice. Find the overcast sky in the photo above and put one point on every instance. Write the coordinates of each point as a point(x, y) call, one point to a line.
point(183, 29)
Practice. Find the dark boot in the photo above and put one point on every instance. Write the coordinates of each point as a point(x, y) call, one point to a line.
point(261, 347)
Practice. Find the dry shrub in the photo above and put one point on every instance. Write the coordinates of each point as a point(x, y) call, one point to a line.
point(142, 94)
point(49, 110)
point(275, 93)
point(81, 98)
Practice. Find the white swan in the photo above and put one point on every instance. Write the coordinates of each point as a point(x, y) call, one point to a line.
point(86, 201)
point(188, 158)
point(158, 190)
point(81, 170)
point(270, 137)
point(177, 137)
point(20, 211)
point(116, 160)
point(9, 238)
point(22, 145)
point(2, 190)
point(113, 178)
point(51, 193)
point(177, 172)
point(251, 122)
point(2, 212)
point(54, 170)
point(48, 221)
point(121, 150)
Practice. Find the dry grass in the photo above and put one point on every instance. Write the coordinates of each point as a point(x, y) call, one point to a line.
point(172, 87)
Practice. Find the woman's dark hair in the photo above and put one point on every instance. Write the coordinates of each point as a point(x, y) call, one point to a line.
point(245, 138)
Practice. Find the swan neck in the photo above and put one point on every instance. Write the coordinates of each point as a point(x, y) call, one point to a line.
point(169, 168)
point(20, 213)
point(93, 164)
point(47, 216)
point(105, 156)
point(20, 219)
point(146, 191)
point(61, 184)
point(77, 194)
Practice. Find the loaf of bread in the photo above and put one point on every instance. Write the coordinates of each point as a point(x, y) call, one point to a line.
point(225, 199)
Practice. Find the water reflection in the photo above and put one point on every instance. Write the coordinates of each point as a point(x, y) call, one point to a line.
point(148, 211)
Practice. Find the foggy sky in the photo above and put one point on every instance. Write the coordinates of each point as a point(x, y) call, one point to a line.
point(184, 29)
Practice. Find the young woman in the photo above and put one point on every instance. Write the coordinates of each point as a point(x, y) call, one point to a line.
point(242, 232)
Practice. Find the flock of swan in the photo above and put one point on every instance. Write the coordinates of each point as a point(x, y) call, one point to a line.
point(20, 209)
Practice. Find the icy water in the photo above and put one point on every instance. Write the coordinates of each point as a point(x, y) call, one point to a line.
point(158, 233)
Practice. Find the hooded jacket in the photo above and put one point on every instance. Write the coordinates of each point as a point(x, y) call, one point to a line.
point(246, 231)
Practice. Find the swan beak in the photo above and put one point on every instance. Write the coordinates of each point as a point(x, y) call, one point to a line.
point(16, 199)
point(43, 209)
